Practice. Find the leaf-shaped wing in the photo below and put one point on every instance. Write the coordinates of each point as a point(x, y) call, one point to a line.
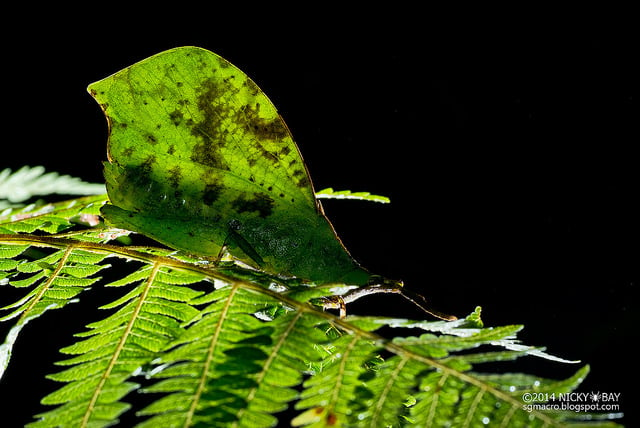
point(200, 159)
point(193, 135)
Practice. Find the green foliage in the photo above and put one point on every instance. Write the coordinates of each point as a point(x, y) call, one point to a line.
point(28, 181)
point(329, 193)
point(224, 345)
point(239, 339)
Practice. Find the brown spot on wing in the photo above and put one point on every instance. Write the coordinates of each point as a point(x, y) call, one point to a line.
point(175, 174)
point(211, 193)
point(260, 203)
point(152, 139)
point(148, 164)
point(176, 117)
point(210, 129)
point(261, 128)
point(128, 151)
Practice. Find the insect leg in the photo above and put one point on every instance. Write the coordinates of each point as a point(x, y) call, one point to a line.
point(335, 302)
point(236, 238)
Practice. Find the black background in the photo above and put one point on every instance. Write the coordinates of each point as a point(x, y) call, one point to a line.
point(509, 153)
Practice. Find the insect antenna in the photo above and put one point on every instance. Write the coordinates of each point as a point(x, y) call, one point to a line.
point(414, 297)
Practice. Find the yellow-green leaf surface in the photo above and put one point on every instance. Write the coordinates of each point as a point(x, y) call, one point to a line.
point(200, 159)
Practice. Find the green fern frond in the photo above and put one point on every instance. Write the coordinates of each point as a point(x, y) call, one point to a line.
point(29, 181)
point(52, 281)
point(329, 193)
point(221, 345)
point(441, 386)
point(115, 348)
point(52, 218)
point(233, 366)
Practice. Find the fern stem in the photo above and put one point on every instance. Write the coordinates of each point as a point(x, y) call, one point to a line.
point(436, 396)
point(387, 388)
point(343, 362)
point(473, 407)
point(47, 284)
point(507, 417)
point(120, 346)
point(209, 360)
point(268, 362)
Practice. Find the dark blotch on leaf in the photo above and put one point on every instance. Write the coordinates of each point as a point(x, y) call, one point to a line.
point(260, 203)
point(210, 131)
point(263, 129)
point(175, 174)
point(252, 87)
point(148, 164)
point(302, 178)
point(176, 117)
point(211, 193)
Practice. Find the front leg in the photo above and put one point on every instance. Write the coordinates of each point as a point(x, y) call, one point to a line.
point(335, 302)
